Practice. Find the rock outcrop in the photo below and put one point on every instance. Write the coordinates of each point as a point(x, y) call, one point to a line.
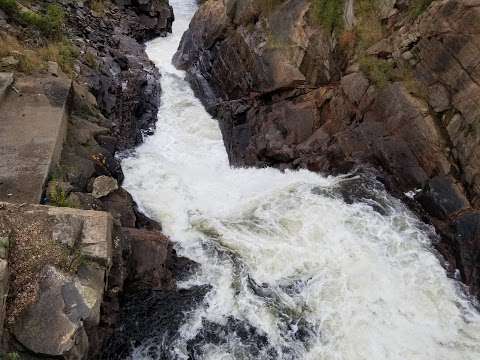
point(65, 285)
point(291, 90)
point(60, 260)
point(115, 66)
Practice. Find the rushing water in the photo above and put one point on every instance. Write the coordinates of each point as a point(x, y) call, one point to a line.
point(299, 266)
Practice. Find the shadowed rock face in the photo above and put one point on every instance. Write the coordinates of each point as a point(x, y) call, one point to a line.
point(288, 96)
point(124, 81)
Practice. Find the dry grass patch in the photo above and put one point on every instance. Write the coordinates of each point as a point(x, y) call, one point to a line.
point(33, 59)
point(31, 249)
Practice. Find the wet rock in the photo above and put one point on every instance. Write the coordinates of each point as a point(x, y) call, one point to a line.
point(150, 252)
point(443, 197)
point(156, 315)
point(467, 238)
point(123, 80)
point(120, 204)
point(144, 222)
point(103, 185)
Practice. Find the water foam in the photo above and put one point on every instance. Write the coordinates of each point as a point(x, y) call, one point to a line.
point(296, 271)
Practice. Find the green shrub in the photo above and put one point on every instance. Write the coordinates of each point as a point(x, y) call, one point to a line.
point(62, 52)
point(58, 197)
point(49, 24)
point(53, 21)
point(9, 6)
point(329, 13)
point(369, 27)
point(12, 355)
point(417, 7)
point(91, 60)
point(67, 54)
point(379, 71)
point(30, 18)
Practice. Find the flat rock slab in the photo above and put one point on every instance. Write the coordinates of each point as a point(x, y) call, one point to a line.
point(32, 130)
point(88, 230)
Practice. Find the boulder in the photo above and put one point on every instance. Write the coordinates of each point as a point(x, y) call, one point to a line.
point(150, 251)
point(66, 254)
point(438, 98)
point(120, 204)
point(443, 196)
point(103, 185)
point(84, 201)
point(53, 324)
point(355, 86)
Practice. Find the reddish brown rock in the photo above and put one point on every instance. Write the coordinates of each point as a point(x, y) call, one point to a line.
point(150, 252)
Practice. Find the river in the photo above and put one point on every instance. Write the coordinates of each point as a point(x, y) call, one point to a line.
point(299, 266)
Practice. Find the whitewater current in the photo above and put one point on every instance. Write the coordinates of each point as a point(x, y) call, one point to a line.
point(298, 266)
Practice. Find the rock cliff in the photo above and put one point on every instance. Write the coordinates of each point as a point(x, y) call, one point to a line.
point(331, 86)
point(116, 68)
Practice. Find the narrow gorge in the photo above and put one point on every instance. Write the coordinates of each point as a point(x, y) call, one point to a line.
point(295, 265)
point(263, 179)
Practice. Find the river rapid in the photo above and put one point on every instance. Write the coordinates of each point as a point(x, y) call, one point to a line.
point(297, 266)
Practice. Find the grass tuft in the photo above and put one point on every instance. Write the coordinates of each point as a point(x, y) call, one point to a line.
point(329, 14)
point(50, 23)
point(417, 7)
point(379, 71)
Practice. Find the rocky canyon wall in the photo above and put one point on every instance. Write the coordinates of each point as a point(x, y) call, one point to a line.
point(393, 85)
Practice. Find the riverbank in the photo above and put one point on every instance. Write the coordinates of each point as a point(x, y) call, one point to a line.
point(110, 106)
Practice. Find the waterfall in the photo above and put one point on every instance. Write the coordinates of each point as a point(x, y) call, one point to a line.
point(297, 265)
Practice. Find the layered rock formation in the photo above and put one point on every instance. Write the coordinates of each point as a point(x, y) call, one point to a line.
point(294, 89)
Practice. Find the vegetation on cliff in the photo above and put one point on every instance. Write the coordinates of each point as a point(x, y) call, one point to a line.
point(43, 38)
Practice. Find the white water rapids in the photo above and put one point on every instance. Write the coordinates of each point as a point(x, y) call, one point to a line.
point(304, 274)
